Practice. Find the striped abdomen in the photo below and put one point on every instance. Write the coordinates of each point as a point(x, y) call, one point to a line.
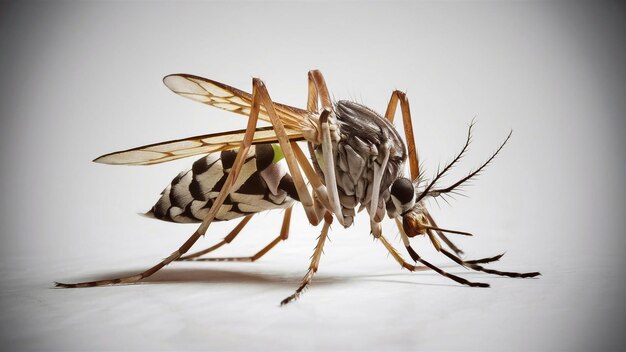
point(263, 184)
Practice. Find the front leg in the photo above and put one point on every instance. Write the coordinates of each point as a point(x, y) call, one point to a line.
point(329, 167)
point(284, 234)
point(327, 133)
point(228, 239)
point(315, 261)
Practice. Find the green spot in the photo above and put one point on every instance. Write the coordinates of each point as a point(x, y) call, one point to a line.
point(278, 153)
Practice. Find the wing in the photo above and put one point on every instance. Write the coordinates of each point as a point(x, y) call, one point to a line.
point(232, 99)
point(182, 148)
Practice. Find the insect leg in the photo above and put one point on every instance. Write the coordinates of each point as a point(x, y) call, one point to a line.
point(318, 186)
point(396, 255)
point(315, 260)
point(417, 258)
point(442, 272)
point(398, 97)
point(292, 164)
point(441, 235)
point(405, 239)
point(259, 96)
point(485, 260)
point(317, 91)
point(284, 234)
point(329, 167)
point(378, 176)
point(228, 239)
point(328, 193)
point(474, 266)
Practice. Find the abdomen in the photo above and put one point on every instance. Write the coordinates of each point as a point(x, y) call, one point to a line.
point(263, 184)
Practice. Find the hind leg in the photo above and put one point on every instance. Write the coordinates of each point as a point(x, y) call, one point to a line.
point(284, 234)
point(259, 97)
point(228, 239)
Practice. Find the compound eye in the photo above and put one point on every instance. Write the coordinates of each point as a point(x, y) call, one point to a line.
point(402, 189)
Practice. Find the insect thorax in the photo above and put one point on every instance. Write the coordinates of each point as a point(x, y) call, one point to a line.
point(365, 138)
point(263, 184)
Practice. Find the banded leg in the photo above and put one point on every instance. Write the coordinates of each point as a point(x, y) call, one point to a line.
point(405, 240)
point(417, 258)
point(442, 272)
point(485, 260)
point(259, 96)
point(398, 97)
point(284, 234)
point(228, 239)
point(474, 266)
point(315, 260)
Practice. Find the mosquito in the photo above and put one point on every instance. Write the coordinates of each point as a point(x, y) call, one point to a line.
point(356, 162)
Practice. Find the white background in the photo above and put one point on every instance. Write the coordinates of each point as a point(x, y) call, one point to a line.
point(83, 79)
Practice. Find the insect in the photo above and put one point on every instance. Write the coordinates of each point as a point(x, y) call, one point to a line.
point(357, 160)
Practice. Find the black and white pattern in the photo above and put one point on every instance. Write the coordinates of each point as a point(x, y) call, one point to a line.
point(263, 184)
point(365, 137)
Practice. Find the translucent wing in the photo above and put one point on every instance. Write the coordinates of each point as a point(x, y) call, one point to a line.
point(182, 148)
point(222, 96)
point(232, 99)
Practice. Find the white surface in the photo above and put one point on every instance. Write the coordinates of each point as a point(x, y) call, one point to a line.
point(80, 80)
